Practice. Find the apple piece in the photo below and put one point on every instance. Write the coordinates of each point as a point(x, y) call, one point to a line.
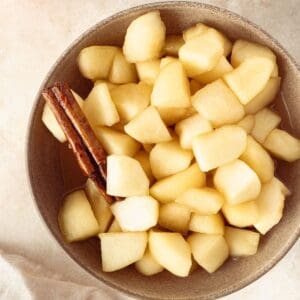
point(172, 115)
point(247, 123)
point(171, 251)
point(265, 121)
point(190, 127)
point(222, 67)
point(166, 60)
point(211, 224)
point(147, 265)
point(125, 177)
point(218, 104)
point(116, 142)
point(131, 99)
point(259, 160)
point(143, 158)
point(76, 218)
point(250, 78)
point(94, 62)
point(148, 127)
point(195, 86)
point(169, 158)
point(109, 84)
point(241, 215)
point(121, 249)
point(237, 182)
point(169, 188)
point(204, 201)
point(219, 147)
point(114, 227)
point(201, 53)
point(99, 206)
point(138, 213)
point(171, 87)
point(148, 70)
point(283, 145)
point(147, 30)
point(265, 97)
point(241, 242)
point(99, 108)
point(175, 217)
point(209, 250)
point(172, 44)
point(121, 70)
point(270, 206)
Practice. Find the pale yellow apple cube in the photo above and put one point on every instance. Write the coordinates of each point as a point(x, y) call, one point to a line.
point(210, 224)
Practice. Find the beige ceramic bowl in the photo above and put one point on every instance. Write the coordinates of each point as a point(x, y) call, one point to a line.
point(49, 184)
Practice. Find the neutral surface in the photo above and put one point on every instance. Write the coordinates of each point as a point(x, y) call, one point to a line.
point(33, 35)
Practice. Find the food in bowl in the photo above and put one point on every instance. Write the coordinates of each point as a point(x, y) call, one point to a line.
point(187, 177)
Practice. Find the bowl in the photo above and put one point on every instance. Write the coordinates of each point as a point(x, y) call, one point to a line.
point(51, 177)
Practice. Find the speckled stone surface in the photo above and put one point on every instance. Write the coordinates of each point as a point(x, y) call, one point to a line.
point(33, 36)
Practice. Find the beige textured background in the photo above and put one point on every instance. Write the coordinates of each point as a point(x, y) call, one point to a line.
point(33, 34)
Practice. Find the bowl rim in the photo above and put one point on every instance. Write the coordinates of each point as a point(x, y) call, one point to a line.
point(29, 135)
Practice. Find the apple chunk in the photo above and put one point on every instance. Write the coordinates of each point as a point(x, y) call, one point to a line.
point(241, 242)
point(172, 115)
point(171, 251)
point(148, 70)
point(169, 158)
point(219, 147)
point(143, 158)
point(147, 30)
point(209, 250)
point(148, 127)
point(247, 123)
point(114, 227)
point(147, 265)
point(211, 224)
point(169, 188)
point(121, 249)
point(76, 218)
point(138, 213)
point(126, 177)
point(237, 182)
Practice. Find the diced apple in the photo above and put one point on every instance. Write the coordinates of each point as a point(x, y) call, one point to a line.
point(237, 182)
point(259, 160)
point(121, 70)
point(138, 213)
point(171, 87)
point(195, 86)
point(172, 115)
point(99, 107)
point(131, 99)
point(148, 70)
point(270, 206)
point(241, 215)
point(265, 97)
point(218, 104)
point(283, 145)
point(121, 249)
point(175, 217)
point(147, 265)
point(172, 44)
point(169, 158)
point(250, 78)
point(241, 242)
point(99, 205)
point(147, 30)
point(148, 127)
point(109, 84)
point(211, 224)
point(209, 250)
point(247, 123)
point(201, 53)
point(171, 251)
point(188, 128)
point(125, 177)
point(76, 218)
point(114, 227)
point(219, 147)
point(169, 188)
point(204, 201)
point(166, 60)
point(116, 142)
point(221, 68)
point(143, 158)
point(265, 121)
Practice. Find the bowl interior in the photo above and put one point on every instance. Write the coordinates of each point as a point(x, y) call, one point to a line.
point(51, 177)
